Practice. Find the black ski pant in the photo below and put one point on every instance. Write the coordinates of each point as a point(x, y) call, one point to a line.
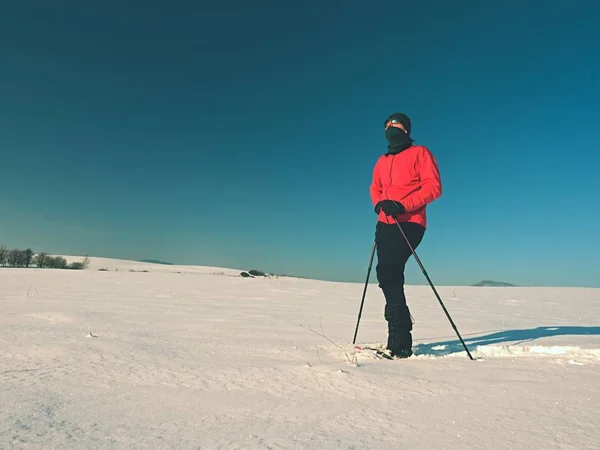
point(392, 255)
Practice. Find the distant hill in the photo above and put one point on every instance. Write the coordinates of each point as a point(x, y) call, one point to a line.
point(154, 261)
point(493, 283)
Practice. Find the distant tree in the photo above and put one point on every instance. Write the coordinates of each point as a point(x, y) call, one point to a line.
point(3, 255)
point(56, 262)
point(16, 258)
point(40, 260)
point(27, 258)
point(22, 258)
point(80, 265)
point(28, 254)
point(11, 258)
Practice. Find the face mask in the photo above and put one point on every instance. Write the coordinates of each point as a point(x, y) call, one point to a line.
point(398, 140)
point(393, 135)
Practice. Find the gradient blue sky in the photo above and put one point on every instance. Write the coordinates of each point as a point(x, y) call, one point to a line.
point(244, 135)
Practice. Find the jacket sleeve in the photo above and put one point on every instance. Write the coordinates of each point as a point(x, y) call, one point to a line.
point(431, 184)
point(376, 189)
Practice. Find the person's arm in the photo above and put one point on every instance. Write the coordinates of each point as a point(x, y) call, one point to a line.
point(431, 184)
point(376, 189)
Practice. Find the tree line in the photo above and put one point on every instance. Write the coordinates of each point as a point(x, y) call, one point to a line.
point(28, 258)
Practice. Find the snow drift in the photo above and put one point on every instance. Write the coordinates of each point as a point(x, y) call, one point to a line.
point(198, 357)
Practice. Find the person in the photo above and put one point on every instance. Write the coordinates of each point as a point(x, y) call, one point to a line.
point(405, 180)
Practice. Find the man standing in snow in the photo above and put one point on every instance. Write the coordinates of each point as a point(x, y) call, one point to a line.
point(405, 179)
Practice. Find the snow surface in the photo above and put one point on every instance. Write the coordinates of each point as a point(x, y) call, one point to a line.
point(203, 359)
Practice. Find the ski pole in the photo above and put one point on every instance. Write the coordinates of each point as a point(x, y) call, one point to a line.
point(364, 291)
point(434, 290)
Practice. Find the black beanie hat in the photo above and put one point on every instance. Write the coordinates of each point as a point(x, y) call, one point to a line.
point(402, 118)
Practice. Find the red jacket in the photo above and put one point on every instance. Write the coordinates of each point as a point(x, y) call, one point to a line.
point(410, 177)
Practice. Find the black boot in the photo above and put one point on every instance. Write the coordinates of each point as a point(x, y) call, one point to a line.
point(399, 342)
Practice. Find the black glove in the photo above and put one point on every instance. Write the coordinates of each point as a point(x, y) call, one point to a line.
point(390, 207)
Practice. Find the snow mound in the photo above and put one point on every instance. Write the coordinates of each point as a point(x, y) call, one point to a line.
point(574, 354)
point(540, 351)
point(124, 265)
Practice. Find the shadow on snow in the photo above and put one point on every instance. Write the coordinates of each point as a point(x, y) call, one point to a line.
point(515, 336)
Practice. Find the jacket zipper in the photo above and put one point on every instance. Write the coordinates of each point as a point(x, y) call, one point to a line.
point(391, 179)
point(391, 167)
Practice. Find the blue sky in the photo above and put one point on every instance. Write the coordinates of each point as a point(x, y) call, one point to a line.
point(244, 135)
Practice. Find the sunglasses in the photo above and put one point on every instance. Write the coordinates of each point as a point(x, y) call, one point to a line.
point(392, 122)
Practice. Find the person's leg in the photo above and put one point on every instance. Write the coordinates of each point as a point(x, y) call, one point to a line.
point(392, 255)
